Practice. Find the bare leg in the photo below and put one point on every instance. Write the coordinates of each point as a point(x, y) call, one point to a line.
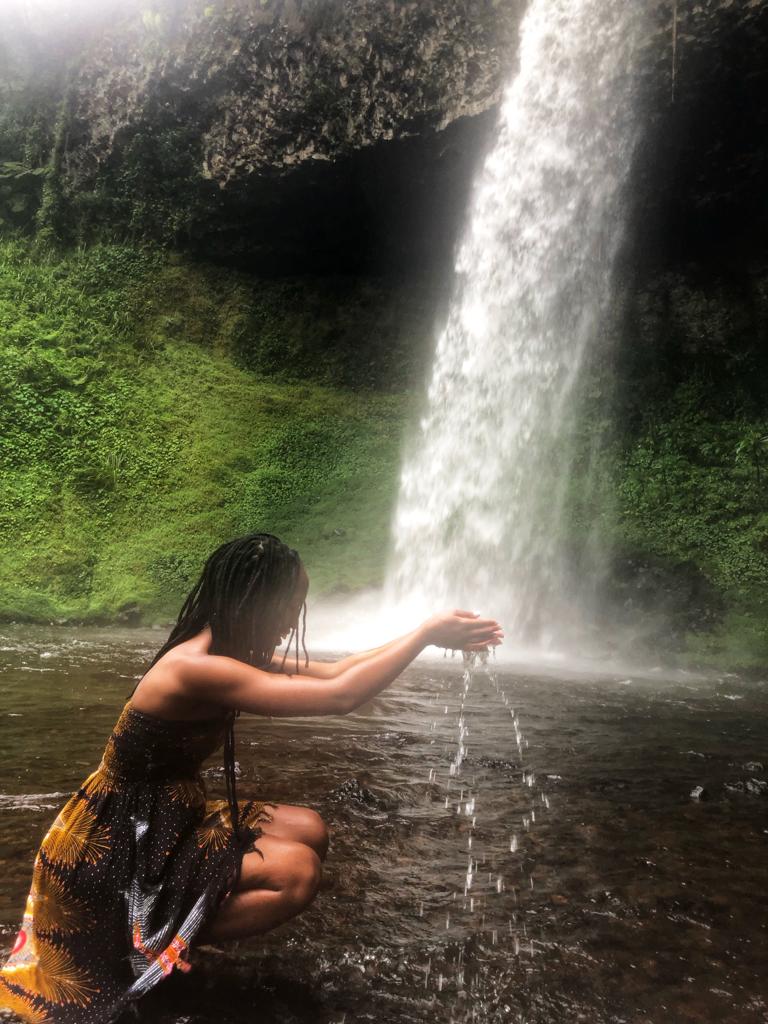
point(272, 890)
point(300, 825)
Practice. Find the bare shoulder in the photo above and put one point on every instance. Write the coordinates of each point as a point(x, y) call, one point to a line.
point(193, 669)
point(216, 678)
point(171, 688)
point(194, 684)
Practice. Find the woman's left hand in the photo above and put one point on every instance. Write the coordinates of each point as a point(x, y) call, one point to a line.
point(462, 630)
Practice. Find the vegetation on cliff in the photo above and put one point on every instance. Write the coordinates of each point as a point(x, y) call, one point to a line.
point(153, 407)
point(133, 439)
point(673, 463)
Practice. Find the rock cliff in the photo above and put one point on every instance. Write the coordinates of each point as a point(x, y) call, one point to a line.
point(178, 119)
point(268, 86)
point(180, 115)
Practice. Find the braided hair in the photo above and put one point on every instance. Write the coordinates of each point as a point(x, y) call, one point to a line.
point(243, 594)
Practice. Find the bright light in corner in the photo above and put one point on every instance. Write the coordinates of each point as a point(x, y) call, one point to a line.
point(35, 7)
point(34, 13)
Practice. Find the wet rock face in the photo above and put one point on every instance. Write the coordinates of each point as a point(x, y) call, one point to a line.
point(303, 135)
point(285, 136)
point(341, 76)
point(296, 135)
point(671, 597)
point(275, 84)
point(700, 177)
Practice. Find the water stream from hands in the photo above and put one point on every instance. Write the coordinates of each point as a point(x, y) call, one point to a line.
point(490, 871)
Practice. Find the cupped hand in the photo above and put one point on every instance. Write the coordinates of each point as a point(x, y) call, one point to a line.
point(461, 630)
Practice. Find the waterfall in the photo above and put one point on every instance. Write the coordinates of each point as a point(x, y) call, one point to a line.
point(480, 516)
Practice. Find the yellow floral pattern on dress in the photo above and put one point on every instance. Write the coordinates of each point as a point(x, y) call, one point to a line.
point(52, 906)
point(51, 974)
point(123, 723)
point(216, 830)
point(76, 835)
point(190, 792)
point(134, 866)
point(21, 1004)
point(98, 784)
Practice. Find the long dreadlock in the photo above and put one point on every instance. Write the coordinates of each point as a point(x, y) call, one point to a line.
point(243, 592)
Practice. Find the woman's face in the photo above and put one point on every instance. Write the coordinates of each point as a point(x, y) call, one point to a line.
point(293, 608)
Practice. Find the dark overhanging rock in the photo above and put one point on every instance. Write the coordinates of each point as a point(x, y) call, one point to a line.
point(276, 84)
point(209, 119)
point(190, 120)
point(700, 176)
point(394, 209)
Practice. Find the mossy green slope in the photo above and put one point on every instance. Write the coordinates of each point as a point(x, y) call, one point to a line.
point(692, 489)
point(152, 407)
point(132, 442)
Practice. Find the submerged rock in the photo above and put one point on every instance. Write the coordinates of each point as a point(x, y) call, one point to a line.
point(498, 763)
point(752, 787)
point(217, 771)
point(353, 790)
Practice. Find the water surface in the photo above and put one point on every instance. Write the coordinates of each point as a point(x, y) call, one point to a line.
point(625, 900)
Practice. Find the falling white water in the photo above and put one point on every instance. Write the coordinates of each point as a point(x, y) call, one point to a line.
point(479, 521)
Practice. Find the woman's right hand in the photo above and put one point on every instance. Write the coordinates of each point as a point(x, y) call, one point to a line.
point(462, 631)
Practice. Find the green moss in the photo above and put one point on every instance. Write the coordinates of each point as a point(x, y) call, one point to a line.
point(687, 493)
point(131, 444)
point(686, 490)
point(333, 330)
point(676, 427)
point(152, 407)
point(739, 642)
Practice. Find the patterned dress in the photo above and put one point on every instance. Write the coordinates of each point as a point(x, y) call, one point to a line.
point(134, 865)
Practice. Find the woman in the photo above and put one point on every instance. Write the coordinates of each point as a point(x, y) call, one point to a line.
point(138, 864)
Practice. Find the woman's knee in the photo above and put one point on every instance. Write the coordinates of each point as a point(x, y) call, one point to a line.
point(302, 877)
point(301, 825)
point(316, 832)
point(278, 881)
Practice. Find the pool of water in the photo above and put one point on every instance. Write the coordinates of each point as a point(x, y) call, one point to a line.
point(563, 877)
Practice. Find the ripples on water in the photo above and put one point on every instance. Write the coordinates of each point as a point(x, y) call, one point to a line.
point(624, 900)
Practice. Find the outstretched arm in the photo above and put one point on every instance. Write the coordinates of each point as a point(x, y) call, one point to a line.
point(333, 669)
point(322, 669)
point(233, 684)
